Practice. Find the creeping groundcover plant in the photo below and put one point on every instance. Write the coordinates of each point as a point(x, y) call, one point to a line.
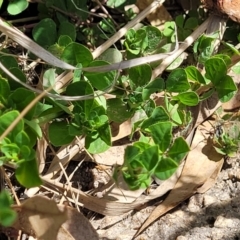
point(112, 96)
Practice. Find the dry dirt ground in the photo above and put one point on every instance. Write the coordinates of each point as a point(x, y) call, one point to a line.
point(213, 215)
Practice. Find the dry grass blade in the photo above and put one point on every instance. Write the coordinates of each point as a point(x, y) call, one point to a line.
point(183, 46)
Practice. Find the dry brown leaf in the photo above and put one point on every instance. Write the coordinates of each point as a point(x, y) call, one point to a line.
point(77, 227)
point(64, 155)
point(112, 156)
point(158, 17)
point(201, 164)
point(121, 130)
point(40, 217)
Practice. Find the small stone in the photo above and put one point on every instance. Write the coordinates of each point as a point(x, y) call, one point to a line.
point(232, 174)
point(195, 203)
point(181, 238)
point(222, 222)
point(224, 196)
point(225, 176)
point(208, 200)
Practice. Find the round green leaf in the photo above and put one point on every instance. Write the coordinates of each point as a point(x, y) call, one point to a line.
point(100, 80)
point(27, 174)
point(58, 133)
point(177, 81)
point(68, 29)
point(19, 102)
point(63, 41)
point(140, 75)
point(177, 62)
point(165, 168)
point(162, 134)
point(19, 74)
point(75, 53)
point(45, 33)
point(216, 69)
point(194, 74)
point(191, 23)
point(95, 146)
point(226, 88)
point(111, 55)
point(17, 6)
point(118, 111)
point(4, 90)
point(188, 98)
point(6, 119)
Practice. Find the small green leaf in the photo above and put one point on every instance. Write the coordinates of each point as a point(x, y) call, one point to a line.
point(154, 36)
point(155, 86)
point(216, 69)
point(177, 62)
point(118, 111)
point(6, 119)
point(75, 53)
point(68, 29)
point(33, 124)
point(194, 74)
point(21, 139)
point(77, 7)
point(17, 6)
point(58, 133)
point(177, 81)
point(165, 168)
point(191, 23)
point(136, 42)
point(27, 174)
point(100, 80)
point(111, 55)
point(4, 91)
point(17, 73)
point(7, 215)
point(149, 157)
point(19, 102)
point(119, 3)
point(131, 153)
point(63, 41)
point(187, 98)
point(49, 78)
point(162, 134)
point(178, 150)
point(140, 75)
point(226, 88)
point(9, 62)
point(10, 151)
point(225, 58)
point(95, 146)
point(158, 115)
point(45, 33)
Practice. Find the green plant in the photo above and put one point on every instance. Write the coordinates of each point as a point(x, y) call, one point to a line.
point(7, 215)
point(156, 152)
point(227, 138)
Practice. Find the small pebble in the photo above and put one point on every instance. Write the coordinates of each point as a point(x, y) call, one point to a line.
point(208, 200)
point(222, 222)
point(181, 238)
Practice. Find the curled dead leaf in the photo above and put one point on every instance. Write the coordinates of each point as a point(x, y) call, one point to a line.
point(40, 217)
point(77, 227)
